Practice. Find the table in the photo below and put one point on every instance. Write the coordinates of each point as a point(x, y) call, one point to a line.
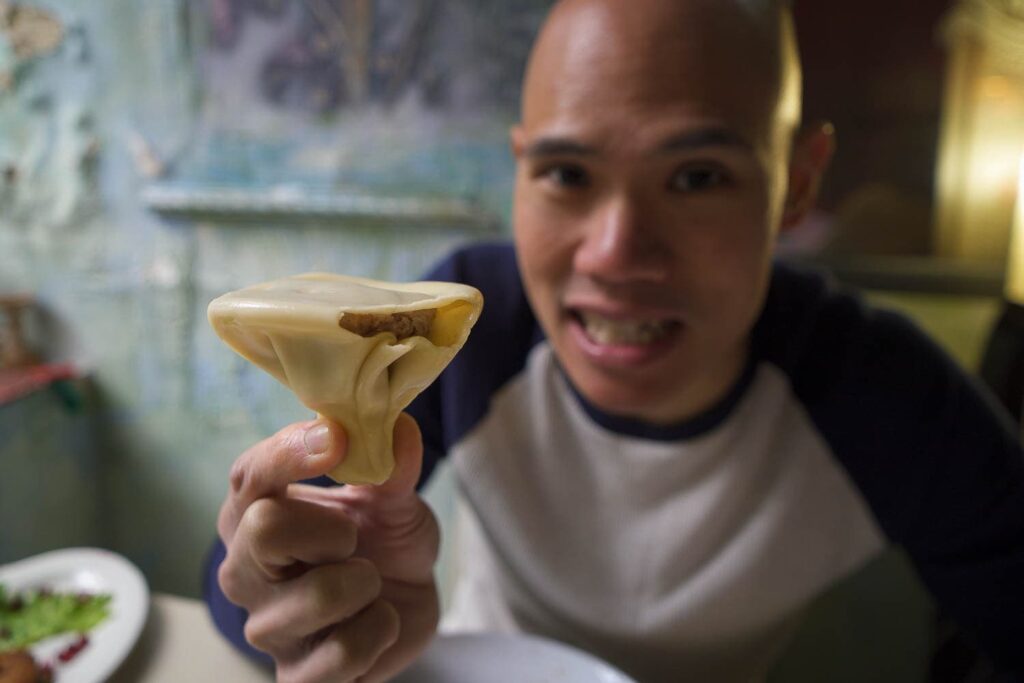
point(180, 643)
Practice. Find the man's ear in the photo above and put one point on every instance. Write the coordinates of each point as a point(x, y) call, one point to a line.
point(517, 140)
point(812, 152)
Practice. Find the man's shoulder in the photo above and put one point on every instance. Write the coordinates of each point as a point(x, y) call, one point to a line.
point(507, 321)
point(497, 348)
point(484, 265)
point(810, 319)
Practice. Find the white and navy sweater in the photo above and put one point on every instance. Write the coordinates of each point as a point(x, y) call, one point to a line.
point(692, 550)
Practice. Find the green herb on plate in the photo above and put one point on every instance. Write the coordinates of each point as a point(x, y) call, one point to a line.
point(31, 616)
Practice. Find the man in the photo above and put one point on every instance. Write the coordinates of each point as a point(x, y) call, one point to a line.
point(666, 446)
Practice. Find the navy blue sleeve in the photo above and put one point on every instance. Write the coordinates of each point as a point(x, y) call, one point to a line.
point(936, 457)
point(227, 617)
point(495, 352)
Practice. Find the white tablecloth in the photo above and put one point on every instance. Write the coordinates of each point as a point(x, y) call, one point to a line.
point(180, 643)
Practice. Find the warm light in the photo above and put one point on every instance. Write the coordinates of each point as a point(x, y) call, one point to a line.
point(982, 131)
point(1015, 263)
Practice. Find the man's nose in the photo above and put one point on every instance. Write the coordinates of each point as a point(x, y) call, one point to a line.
point(621, 245)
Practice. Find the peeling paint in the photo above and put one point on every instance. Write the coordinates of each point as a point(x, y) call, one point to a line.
point(30, 31)
point(26, 33)
point(49, 149)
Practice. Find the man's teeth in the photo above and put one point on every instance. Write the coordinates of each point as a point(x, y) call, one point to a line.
point(606, 331)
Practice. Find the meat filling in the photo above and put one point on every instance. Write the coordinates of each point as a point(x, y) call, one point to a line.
point(19, 667)
point(402, 325)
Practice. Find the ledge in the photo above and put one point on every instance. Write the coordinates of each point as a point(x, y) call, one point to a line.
point(292, 203)
point(915, 274)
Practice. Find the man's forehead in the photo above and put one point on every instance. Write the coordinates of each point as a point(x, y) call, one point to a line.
point(693, 138)
point(657, 29)
point(595, 58)
point(760, 12)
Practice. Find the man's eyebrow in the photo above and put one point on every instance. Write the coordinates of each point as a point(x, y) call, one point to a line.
point(704, 137)
point(554, 146)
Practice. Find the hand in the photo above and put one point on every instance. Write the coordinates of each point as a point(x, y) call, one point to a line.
point(338, 582)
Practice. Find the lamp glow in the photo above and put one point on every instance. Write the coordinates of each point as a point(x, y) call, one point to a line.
point(982, 131)
point(1015, 263)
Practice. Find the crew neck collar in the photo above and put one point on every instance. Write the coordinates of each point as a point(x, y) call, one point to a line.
point(686, 429)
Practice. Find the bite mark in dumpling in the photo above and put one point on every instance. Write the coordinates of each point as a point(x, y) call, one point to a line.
point(402, 325)
point(355, 350)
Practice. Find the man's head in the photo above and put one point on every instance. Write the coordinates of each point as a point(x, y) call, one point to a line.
point(656, 165)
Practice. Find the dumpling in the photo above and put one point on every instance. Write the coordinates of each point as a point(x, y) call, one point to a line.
point(355, 350)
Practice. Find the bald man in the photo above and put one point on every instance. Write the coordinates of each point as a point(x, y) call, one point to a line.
point(666, 445)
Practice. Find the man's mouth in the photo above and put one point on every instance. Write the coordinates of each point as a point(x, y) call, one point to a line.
point(624, 331)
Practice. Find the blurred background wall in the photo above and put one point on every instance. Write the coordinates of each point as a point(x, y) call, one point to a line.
point(147, 165)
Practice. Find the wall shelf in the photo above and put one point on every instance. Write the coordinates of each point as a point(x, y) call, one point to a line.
point(921, 274)
point(291, 203)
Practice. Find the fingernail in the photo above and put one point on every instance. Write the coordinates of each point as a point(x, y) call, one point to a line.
point(317, 440)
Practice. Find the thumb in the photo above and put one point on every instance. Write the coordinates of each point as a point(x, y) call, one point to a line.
point(398, 531)
point(299, 451)
point(408, 450)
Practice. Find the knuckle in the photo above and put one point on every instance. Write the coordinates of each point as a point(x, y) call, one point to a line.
point(260, 530)
point(360, 580)
point(347, 533)
point(249, 472)
point(259, 521)
point(390, 621)
point(364, 573)
point(409, 425)
point(237, 476)
point(228, 576)
point(353, 653)
point(324, 596)
point(225, 522)
point(258, 634)
point(343, 588)
point(353, 647)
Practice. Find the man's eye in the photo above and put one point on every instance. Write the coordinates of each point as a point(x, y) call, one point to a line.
point(568, 176)
point(697, 179)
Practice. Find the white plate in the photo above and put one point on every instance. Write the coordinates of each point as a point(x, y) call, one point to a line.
point(499, 658)
point(89, 570)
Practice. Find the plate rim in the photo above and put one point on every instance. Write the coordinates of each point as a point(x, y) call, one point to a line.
point(533, 639)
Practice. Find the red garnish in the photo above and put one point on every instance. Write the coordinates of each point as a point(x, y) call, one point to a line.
point(72, 650)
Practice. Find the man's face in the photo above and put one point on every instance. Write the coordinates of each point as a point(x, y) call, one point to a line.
point(650, 183)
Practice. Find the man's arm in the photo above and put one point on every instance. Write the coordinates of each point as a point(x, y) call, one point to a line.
point(933, 453)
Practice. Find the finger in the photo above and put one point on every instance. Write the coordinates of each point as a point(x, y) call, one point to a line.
point(308, 604)
point(299, 451)
point(280, 533)
point(278, 538)
point(321, 495)
point(351, 649)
